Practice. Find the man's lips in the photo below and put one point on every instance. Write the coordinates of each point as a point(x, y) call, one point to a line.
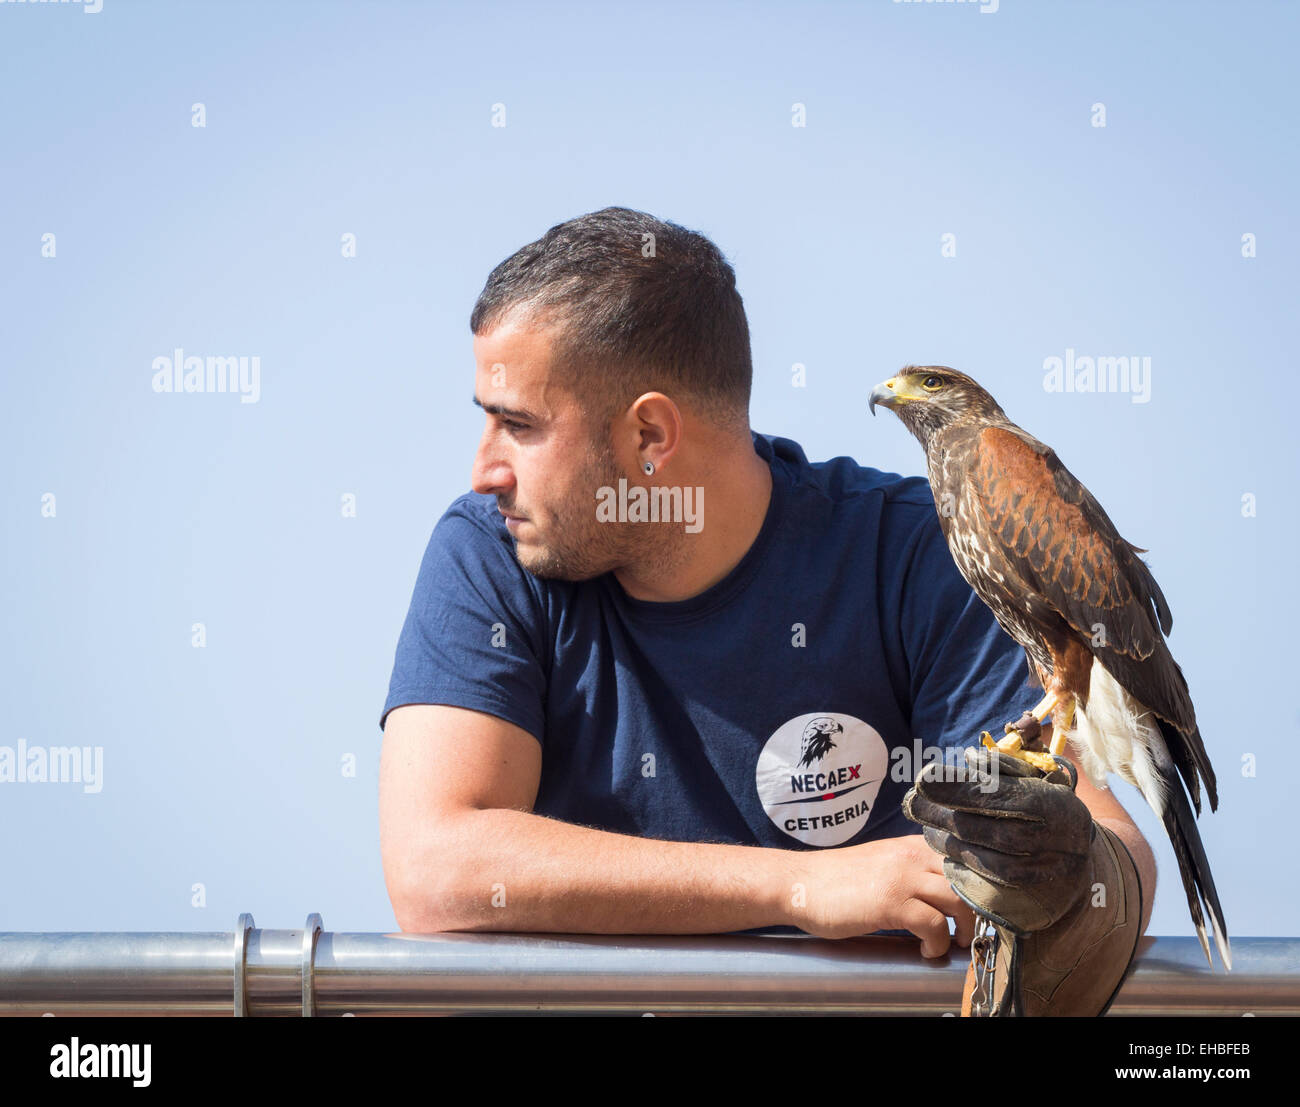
point(509, 517)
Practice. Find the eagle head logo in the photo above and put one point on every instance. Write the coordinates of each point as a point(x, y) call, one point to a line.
point(816, 742)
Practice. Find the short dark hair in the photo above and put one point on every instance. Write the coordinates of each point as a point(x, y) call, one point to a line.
point(635, 313)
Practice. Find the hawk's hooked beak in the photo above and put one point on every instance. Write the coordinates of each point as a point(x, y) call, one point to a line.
point(885, 395)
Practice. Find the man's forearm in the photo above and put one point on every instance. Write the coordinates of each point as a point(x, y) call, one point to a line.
point(1143, 859)
point(498, 869)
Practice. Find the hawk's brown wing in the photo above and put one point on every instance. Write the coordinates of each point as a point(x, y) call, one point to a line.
point(1065, 547)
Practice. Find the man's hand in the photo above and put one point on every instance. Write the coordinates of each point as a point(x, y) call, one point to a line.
point(1022, 849)
point(892, 884)
point(1016, 842)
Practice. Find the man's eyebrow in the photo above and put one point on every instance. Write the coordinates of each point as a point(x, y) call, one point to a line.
point(509, 412)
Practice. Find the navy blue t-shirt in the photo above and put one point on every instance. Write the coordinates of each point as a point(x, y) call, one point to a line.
point(790, 705)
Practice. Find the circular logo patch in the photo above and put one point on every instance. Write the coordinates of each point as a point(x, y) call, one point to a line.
point(818, 776)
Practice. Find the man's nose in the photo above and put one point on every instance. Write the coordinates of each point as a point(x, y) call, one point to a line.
point(490, 474)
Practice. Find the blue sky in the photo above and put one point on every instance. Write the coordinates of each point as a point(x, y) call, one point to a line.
point(224, 765)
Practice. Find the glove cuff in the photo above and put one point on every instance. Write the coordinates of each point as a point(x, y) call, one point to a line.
point(1077, 965)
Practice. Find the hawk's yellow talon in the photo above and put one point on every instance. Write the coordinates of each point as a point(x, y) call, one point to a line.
point(1012, 745)
point(1041, 761)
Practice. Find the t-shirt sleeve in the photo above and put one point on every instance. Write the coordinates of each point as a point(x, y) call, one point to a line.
point(474, 633)
point(966, 674)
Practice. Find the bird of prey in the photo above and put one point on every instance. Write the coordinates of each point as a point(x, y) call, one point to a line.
point(1038, 549)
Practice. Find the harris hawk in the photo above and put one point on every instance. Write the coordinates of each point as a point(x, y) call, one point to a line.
point(1038, 549)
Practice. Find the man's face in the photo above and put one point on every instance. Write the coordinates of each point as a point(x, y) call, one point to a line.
point(542, 460)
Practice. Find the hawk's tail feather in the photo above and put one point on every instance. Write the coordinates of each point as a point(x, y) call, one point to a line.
point(1189, 750)
point(1115, 733)
point(1187, 767)
point(1193, 866)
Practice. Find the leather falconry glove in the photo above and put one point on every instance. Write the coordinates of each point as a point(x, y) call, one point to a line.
point(1023, 850)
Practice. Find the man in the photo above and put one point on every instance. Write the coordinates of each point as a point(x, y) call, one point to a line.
point(663, 675)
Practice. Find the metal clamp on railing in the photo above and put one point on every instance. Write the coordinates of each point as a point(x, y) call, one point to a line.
point(311, 972)
point(242, 927)
point(310, 931)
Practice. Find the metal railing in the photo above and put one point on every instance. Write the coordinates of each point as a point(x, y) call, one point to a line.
point(311, 971)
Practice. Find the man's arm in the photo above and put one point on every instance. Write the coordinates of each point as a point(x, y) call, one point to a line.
point(462, 850)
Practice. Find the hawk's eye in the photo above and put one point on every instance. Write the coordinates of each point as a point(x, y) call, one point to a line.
point(932, 383)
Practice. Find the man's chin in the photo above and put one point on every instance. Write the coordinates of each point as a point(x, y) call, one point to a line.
point(546, 564)
point(536, 559)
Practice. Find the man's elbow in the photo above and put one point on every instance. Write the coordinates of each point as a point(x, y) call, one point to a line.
point(429, 892)
point(416, 913)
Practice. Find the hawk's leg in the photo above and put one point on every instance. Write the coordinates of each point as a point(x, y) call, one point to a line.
point(1024, 733)
point(1037, 714)
point(1061, 726)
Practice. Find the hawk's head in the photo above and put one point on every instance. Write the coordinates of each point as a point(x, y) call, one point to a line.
point(929, 398)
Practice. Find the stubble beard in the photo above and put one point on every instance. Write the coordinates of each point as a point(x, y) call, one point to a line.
point(579, 547)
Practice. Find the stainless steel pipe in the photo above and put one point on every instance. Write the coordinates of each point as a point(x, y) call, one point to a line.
point(312, 971)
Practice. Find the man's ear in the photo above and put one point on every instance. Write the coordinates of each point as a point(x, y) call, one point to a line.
point(658, 425)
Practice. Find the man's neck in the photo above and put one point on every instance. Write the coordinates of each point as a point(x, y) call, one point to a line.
point(739, 490)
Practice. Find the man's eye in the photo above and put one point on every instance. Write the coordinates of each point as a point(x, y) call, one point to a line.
point(513, 425)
